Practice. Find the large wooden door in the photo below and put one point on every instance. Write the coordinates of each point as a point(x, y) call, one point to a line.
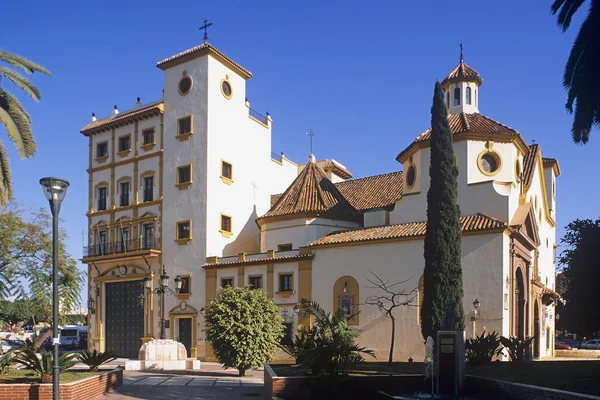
point(185, 333)
point(124, 318)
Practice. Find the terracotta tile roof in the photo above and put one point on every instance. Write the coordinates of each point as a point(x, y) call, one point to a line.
point(549, 161)
point(337, 168)
point(312, 192)
point(476, 123)
point(254, 261)
point(274, 198)
point(199, 51)
point(124, 118)
point(472, 223)
point(372, 191)
point(462, 72)
point(529, 164)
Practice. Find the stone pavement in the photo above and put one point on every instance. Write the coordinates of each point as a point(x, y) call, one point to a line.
point(210, 382)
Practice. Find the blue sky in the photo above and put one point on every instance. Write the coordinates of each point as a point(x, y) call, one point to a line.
point(360, 74)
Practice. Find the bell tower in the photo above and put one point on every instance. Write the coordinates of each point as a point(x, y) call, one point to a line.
point(462, 88)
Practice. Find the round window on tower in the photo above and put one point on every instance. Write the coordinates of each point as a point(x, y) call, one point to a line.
point(226, 88)
point(185, 85)
point(489, 162)
point(411, 176)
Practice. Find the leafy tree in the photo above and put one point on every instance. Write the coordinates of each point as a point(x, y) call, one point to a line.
point(389, 297)
point(244, 327)
point(13, 115)
point(581, 274)
point(442, 277)
point(582, 77)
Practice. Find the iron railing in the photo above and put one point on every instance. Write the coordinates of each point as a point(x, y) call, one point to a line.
point(258, 116)
point(277, 157)
point(149, 194)
point(121, 247)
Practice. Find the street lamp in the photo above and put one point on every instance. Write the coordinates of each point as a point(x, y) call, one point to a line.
point(474, 315)
point(55, 190)
point(161, 290)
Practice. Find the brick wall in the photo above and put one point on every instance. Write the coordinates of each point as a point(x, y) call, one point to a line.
point(87, 388)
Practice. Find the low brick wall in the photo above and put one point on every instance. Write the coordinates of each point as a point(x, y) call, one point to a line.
point(497, 389)
point(296, 387)
point(579, 353)
point(82, 389)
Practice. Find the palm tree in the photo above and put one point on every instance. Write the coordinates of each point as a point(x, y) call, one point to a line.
point(582, 72)
point(14, 117)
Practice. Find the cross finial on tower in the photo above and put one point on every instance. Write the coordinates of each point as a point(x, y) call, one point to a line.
point(205, 27)
point(461, 52)
point(310, 134)
point(533, 141)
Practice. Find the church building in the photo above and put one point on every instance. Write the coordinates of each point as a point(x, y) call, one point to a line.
point(189, 182)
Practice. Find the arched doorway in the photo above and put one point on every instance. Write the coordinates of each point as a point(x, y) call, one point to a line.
point(536, 330)
point(520, 304)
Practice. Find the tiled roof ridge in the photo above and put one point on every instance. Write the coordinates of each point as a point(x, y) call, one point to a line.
point(463, 71)
point(465, 121)
point(529, 162)
point(121, 116)
point(499, 123)
point(368, 177)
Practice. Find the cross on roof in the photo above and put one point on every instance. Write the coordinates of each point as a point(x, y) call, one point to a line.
point(310, 134)
point(205, 27)
point(461, 51)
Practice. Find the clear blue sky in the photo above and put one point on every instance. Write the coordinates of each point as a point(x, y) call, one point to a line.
point(360, 74)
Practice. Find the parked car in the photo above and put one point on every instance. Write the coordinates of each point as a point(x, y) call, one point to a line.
point(592, 344)
point(558, 345)
point(571, 342)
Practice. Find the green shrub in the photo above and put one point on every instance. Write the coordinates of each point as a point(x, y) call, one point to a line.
point(43, 365)
point(95, 359)
point(6, 360)
point(328, 348)
point(481, 349)
point(517, 349)
point(244, 327)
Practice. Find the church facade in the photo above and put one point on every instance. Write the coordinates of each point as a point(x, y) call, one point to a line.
point(189, 182)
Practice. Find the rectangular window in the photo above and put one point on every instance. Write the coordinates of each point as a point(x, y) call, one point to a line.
point(255, 282)
point(148, 136)
point(148, 236)
point(185, 285)
point(284, 247)
point(124, 240)
point(286, 282)
point(125, 143)
point(102, 150)
point(148, 188)
point(101, 198)
point(184, 229)
point(101, 242)
point(548, 339)
point(226, 282)
point(184, 126)
point(226, 170)
point(225, 223)
point(124, 187)
point(288, 333)
point(184, 174)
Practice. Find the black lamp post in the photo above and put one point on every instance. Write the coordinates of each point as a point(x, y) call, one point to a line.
point(55, 190)
point(161, 290)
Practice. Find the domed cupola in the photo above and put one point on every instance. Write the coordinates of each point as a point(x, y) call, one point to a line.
point(462, 88)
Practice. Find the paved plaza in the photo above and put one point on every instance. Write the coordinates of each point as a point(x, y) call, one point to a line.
point(210, 382)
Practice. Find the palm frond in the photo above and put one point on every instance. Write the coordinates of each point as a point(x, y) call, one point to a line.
point(5, 177)
point(17, 125)
point(567, 9)
point(21, 82)
point(23, 63)
point(12, 99)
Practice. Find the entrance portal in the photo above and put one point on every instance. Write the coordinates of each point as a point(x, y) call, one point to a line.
point(520, 304)
point(536, 330)
point(124, 318)
point(185, 333)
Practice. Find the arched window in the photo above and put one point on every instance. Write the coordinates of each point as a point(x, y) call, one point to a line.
point(346, 297)
point(468, 95)
point(457, 97)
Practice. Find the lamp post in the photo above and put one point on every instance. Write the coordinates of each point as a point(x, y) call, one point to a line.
point(474, 315)
point(161, 290)
point(55, 190)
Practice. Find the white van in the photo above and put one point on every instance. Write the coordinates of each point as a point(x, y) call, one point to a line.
point(73, 337)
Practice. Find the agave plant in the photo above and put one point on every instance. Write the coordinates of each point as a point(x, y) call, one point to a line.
point(481, 349)
point(94, 359)
point(43, 365)
point(6, 360)
point(517, 349)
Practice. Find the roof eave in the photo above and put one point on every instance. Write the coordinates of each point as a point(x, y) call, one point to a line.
point(209, 50)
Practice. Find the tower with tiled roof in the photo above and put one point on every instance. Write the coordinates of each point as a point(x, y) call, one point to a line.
point(462, 88)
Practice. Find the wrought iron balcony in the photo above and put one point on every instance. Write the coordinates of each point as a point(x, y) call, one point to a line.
point(121, 247)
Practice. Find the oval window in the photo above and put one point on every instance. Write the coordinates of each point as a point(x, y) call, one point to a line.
point(226, 88)
point(185, 85)
point(411, 175)
point(489, 163)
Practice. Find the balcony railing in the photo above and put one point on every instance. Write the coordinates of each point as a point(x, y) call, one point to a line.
point(258, 116)
point(121, 247)
point(148, 194)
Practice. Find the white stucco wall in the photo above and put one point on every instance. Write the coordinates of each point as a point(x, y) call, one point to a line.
point(300, 232)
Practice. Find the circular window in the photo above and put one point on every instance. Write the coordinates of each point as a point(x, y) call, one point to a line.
point(411, 175)
point(489, 163)
point(185, 85)
point(226, 88)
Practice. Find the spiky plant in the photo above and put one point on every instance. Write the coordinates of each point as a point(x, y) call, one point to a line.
point(13, 115)
point(94, 359)
point(43, 365)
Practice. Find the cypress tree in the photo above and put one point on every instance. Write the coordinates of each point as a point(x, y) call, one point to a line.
point(442, 277)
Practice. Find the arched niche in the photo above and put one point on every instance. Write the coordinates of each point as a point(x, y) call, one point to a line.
point(346, 296)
